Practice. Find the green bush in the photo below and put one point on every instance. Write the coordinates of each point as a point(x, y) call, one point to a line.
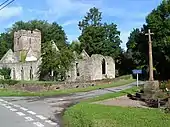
point(5, 72)
point(22, 56)
point(125, 77)
point(8, 82)
point(163, 86)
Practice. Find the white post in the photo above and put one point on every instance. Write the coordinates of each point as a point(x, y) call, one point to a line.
point(137, 80)
point(52, 73)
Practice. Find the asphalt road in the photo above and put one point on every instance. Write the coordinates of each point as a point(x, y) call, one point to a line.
point(43, 112)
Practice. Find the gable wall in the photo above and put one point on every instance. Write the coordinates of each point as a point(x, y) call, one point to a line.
point(17, 67)
point(90, 68)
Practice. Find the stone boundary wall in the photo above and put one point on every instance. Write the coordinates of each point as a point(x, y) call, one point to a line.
point(38, 87)
point(45, 87)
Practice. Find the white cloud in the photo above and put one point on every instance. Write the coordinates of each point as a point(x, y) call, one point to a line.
point(125, 32)
point(70, 22)
point(123, 13)
point(10, 25)
point(9, 12)
point(124, 37)
point(37, 11)
point(62, 8)
point(72, 37)
point(126, 16)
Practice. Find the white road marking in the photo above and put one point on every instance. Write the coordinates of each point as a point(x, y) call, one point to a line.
point(41, 117)
point(8, 106)
point(38, 124)
point(1, 100)
point(6, 102)
point(17, 106)
point(58, 112)
point(3, 104)
point(23, 108)
point(29, 119)
point(13, 109)
point(51, 122)
point(31, 112)
point(20, 113)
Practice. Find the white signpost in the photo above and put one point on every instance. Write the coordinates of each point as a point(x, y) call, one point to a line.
point(137, 72)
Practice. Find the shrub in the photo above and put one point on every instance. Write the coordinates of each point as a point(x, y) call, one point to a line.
point(5, 72)
point(22, 56)
point(125, 77)
point(8, 82)
point(163, 86)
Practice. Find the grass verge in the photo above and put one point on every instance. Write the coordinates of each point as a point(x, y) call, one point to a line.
point(86, 114)
point(7, 92)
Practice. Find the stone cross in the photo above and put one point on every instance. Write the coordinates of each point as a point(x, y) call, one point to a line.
point(150, 56)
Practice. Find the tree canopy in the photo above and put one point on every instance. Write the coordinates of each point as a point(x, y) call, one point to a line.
point(159, 23)
point(49, 31)
point(50, 59)
point(97, 37)
point(5, 43)
point(58, 62)
point(76, 46)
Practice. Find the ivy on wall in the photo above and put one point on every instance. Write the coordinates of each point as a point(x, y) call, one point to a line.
point(22, 56)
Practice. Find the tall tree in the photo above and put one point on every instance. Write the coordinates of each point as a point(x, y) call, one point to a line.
point(137, 52)
point(76, 46)
point(93, 18)
point(111, 45)
point(159, 23)
point(56, 61)
point(5, 43)
point(137, 43)
point(98, 37)
point(50, 31)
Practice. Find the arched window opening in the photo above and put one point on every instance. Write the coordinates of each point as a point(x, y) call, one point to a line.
point(31, 73)
point(22, 73)
point(77, 70)
point(103, 66)
point(30, 41)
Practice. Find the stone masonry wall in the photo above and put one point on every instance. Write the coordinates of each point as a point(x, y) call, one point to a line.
point(84, 66)
point(97, 67)
point(24, 39)
point(71, 74)
point(110, 67)
point(22, 71)
point(90, 68)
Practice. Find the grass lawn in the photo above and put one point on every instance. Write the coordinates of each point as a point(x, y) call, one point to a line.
point(7, 92)
point(86, 114)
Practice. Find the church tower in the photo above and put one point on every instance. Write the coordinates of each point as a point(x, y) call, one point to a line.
point(26, 40)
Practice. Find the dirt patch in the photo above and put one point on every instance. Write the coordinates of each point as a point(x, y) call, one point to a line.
point(123, 101)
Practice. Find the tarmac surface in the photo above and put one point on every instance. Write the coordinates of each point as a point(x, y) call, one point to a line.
point(44, 111)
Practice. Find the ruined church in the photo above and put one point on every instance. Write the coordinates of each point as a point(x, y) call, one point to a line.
point(25, 59)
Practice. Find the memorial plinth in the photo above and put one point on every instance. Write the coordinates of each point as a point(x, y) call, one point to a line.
point(150, 89)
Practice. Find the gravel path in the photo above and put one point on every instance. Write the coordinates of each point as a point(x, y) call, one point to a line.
point(123, 101)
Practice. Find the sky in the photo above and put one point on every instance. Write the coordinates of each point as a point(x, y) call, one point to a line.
point(127, 14)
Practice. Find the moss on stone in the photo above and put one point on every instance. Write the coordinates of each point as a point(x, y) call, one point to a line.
point(22, 56)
